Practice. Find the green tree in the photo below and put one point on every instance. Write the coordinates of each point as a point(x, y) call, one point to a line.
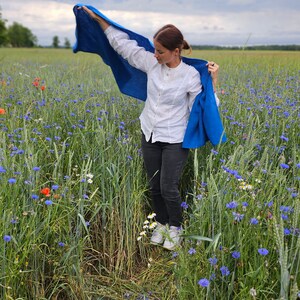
point(55, 42)
point(67, 43)
point(3, 31)
point(20, 36)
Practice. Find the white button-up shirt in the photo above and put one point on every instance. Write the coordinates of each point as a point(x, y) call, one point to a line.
point(170, 91)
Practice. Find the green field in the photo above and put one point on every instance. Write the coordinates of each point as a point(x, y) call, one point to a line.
point(74, 195)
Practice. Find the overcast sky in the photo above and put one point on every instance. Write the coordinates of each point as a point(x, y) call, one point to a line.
point(213, 22)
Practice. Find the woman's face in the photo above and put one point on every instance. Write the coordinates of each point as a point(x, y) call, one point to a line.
point(165, 56)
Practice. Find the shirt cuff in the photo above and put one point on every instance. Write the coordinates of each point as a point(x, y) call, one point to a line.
point(108, 30)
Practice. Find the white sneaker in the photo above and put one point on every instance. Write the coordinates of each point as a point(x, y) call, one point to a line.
point(159, 234)
point(173, 238)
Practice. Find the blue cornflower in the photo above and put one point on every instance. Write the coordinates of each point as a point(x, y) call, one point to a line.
point(36, 169)
point(284, 166)
point(298, 166)
point(286, 231)
point(263, 251)
point(284, 217)
point(213, 261)
point(224, 271)
point(237, 216)
point(12, 180)
point(232, 205)
point(203, 282)
point(192, 251)
point(48, 202)
point(184, 205)
point(2, 169)
point(236, 254)
point(213, 151)
point(174, 254)
point(199, 197)
point(285, 209)
point(34, 197)
point(61, 244)
point(253, 221)
point(284, 138)
point(54, 187)
point(7, 238)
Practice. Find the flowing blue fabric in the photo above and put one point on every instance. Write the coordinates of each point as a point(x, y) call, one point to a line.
point(204, 122)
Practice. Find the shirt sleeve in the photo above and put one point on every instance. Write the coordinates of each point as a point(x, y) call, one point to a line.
point(136, 56)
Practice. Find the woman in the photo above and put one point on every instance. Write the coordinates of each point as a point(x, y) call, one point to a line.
point(172, 87)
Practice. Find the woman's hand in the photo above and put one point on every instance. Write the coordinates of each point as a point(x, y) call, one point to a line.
point(95, 17)
point(213, 69)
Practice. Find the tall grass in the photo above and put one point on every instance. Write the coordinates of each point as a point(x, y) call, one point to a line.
point(79, 137)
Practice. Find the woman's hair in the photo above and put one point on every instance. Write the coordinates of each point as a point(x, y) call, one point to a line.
point(170, 37)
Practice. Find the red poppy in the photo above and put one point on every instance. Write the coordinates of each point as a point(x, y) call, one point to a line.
point(2, 111)
point(43, 87)
point(35, 83)
point(45, 191)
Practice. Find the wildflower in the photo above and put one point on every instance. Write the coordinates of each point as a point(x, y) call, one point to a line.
point(263, 251)
point(2, 111)
point(252, 292)
point(213, 261)
point(151, 216)
point(2, 169)
point(139, 238)
point(236, 254)
point(54, 187)
point(34, 197)
point(253, 221)
point(152, 225)
point(184, 205)
point(36, 169)
point(174, 254)
point(7, 238)
point(214, 152)
point(237, 216)
point(191, 251)
point(203, 282)
point(48, 202)
point(12, 180)
point(284, 166)
point(232, 205)
point(298, 166)
point(43, 87)
point(286, 231)
point(45, 191)
point(224, 271)
point(284, 138)
point(61, 244)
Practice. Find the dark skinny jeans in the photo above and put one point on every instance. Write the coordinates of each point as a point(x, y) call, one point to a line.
point(164, 164)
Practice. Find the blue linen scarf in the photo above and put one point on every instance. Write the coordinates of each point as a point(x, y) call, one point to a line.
point(204, 122)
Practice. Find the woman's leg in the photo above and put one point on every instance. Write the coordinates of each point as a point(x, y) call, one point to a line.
point(174, 158)
point(152, 154)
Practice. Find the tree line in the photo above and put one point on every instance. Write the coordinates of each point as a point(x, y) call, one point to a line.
point(17, 35)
